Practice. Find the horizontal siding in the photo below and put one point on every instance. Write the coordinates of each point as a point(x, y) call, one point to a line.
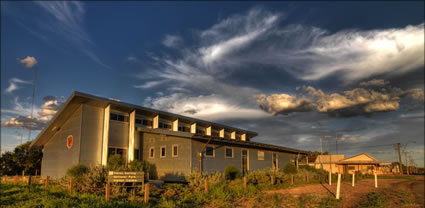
point(91, 135)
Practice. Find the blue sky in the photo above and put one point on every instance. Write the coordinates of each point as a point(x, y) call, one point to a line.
point(293, 72)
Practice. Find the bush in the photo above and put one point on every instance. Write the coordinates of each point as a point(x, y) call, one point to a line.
point(116, 163)
point(77, 172)
point(290, 169)
point(144, 166)
point(231, 172)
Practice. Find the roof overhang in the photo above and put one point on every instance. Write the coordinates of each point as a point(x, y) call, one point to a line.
point(78, 98)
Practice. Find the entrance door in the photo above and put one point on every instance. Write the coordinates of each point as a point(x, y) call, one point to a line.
point(275, 161)
point(244, 162)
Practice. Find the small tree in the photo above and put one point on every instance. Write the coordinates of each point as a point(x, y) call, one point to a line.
point(231, 172)
point(144, 166)
point(78, 172)
point(290, 169)
point(116, 163)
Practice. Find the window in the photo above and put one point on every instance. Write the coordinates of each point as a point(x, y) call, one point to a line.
point(162, 152)
point(260, 155)
point(228, 152)
point(136, 154)
point(175, 149)
point(151, 153)
point(209, 151)
point(163, 125)
point(117, 117)
point(114, 116)
point(138, 121)
point(145, 122)
point(117, 151)
point(182, 128)
point(200, 131)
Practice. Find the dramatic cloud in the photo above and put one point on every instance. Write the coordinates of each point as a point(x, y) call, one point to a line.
point(358, 101)
point(172, 41)
point(283, 104)
point(46, 111)
point(13, 84)
point(212, 107)
point(67, 20)
point(374, 83)
point(28, 62)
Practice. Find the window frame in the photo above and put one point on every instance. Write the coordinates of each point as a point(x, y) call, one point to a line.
point(225, 152)
point(205, 153)
point(258, 155)
point(165, 151)
point(153, 155)
point(172, 150)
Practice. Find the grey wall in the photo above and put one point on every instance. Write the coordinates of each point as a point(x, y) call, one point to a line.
point(219, 162)
point(168, 168)
point(91, 135)
point(57, 158)
point(118, 134)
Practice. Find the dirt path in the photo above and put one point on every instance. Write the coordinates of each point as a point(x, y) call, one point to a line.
point(353, 195)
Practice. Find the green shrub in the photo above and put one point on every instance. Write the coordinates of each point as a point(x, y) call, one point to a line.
point(116, 163)
point(290, 169)
point(144, 166)
point(231, 172)
point(77, 172)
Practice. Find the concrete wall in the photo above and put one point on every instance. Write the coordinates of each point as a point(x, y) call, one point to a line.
point(91, 135)
point(118, 134)
point(167, 168)
point(57, 158)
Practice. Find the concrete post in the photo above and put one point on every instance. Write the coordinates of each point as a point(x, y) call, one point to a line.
point(338, 186)
point(376, 180)
point(292, 179)
point(353, 181)
point(272, 180)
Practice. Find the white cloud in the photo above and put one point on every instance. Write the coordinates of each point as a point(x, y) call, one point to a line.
point(66, 19)
point(172, 41)
point(284, 104)
point(149, 84)
point(28, 62)
point(13, 84)
point(211, 107)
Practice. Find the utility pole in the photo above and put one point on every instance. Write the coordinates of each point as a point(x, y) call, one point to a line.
point(407, 163)
point(21, 137)
point(399, 157)
point(321, 153)
point(330, 155)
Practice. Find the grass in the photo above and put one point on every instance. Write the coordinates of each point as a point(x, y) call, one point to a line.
point(389, 197)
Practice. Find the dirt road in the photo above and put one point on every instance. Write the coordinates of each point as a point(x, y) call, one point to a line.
point(354, 195)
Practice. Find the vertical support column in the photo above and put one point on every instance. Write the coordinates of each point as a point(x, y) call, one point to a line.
point(330, 178)
point(208, 131)
point(105, 135)
point(243, 137)
point(193, 128)
point(221, 133)
point(155, 122)
point(131, 127)
point(376, 180)
point(233, 135)
point(353, 177)
point(176, 125)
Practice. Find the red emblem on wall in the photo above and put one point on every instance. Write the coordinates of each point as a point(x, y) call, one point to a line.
point(69, 141)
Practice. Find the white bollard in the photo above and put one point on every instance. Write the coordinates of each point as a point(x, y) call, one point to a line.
point(376, 181)
point(330, 178)
point(338, 186)
point(353, 183)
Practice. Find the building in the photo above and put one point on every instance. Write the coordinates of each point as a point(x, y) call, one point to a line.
point(328, 162)
point(88, 129)
point(361, 163)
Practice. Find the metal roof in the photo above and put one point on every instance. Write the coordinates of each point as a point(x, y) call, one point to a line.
point(77, 98)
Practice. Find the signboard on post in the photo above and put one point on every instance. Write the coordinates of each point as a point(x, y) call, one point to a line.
point(126, 176)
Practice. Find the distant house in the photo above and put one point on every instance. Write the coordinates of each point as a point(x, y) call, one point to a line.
point(328, 162)
point(365, 164)
point(89, 129)
point(361, 163)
